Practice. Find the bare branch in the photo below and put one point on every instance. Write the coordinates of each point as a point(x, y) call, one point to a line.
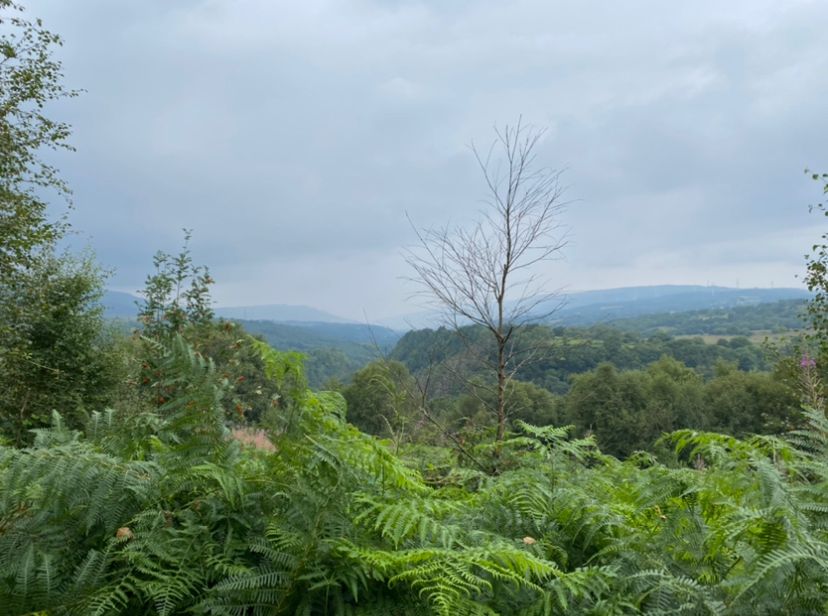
point(484, 275)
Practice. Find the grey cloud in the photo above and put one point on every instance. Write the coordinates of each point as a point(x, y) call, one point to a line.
point(304, 133)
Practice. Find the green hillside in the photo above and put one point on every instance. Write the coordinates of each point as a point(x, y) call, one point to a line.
point(334, 350)
point(772, 317)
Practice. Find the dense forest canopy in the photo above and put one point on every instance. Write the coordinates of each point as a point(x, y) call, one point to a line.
point(188, 467)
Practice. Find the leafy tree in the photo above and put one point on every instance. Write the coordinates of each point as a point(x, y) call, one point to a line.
point(56, 355)
point(745, 403)
point(251, 394)
point(176, 302)
point(176, 295)
point(629, 411)
point(381, 398)
point(608, 403)
point(816, 277)
point(30, 78)
point(52, 352)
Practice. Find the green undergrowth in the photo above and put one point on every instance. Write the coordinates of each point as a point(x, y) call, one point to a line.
point(165, 512)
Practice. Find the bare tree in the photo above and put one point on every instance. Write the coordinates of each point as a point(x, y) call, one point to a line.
point(486, 275)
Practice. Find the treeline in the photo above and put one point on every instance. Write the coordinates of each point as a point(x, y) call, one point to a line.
point(334, 352)
point(624, 388)
point(625, 411)
point(554, 354)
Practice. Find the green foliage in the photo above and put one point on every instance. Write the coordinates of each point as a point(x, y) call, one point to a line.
point(30, 78)
point(238, 358)
point(54, 352)
point(382, 398)
point(159, 508)
point(629, 411)
point(743, 403)
point(559, 353)
point(113, 522)
point(52, 349)
point(816, 277)
point(628, 403)
point(177, 303)
point(781, 316)
point(166, 512)
point(176, 295)
point(524, 402)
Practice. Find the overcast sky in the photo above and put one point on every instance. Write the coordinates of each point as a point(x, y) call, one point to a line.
point(293, 137)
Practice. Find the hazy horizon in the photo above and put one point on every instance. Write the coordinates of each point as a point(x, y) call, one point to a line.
point(424, 316)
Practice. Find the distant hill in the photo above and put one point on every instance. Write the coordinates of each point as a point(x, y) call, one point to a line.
point(280, 313)
point(607, 305)
point(772, 317)
point(589, 307)
point(308, 336)
point(561, 352)
point(120, 305)
point(334, 350)
point(337, 347)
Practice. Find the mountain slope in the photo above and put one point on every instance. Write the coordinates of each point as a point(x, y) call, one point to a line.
point(309, 336)
point(588, 307)
point(280, 313)
point(771, 317)
point(119, 305)
point(606, 305)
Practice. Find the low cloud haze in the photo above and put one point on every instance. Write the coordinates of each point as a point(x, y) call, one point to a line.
point(293, 138)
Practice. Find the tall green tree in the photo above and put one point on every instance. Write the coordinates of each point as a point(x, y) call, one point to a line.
point(177, 304)
point(608, 404)
point(30, 78)
point(630, 410)
point(52, 355)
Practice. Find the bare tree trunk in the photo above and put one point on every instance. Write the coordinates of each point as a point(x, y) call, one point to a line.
point(501, 390)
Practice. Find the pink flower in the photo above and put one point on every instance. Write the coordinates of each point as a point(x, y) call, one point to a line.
point(807, 361)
